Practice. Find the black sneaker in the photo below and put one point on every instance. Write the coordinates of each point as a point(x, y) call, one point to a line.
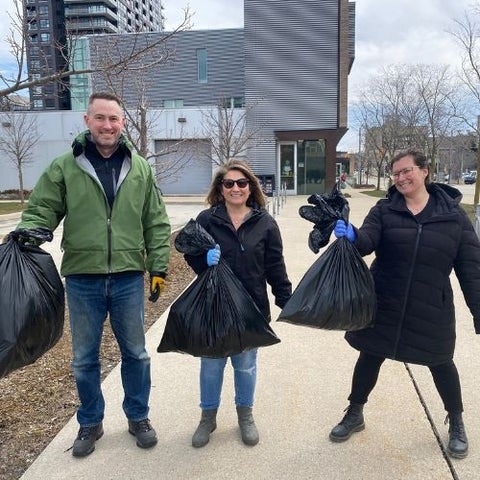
point(84, 444)
point(144, 433)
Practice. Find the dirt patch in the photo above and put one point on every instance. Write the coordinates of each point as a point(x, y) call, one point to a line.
point(38, 400)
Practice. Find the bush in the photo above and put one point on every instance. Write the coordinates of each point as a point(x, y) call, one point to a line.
point(13, 194)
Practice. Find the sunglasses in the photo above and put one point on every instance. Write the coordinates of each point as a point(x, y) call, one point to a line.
point(241, 182)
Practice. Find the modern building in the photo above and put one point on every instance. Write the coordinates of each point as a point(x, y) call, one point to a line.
point(288, 68)
point(285, 74)
point(51, 23)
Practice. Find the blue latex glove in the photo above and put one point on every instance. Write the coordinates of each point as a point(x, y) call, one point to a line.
point(344, 230)
point(213, 256)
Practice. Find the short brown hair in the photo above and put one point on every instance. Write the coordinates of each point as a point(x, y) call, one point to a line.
point(104, 96)
point(215, 196)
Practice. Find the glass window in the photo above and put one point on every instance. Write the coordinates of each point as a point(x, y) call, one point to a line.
point(178, 103)
point(44, 23)
point(202, 65)
point(44, 37)
point(311, 166)
point(238, 102)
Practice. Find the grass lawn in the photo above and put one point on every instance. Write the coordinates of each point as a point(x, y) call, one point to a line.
point(10, 207)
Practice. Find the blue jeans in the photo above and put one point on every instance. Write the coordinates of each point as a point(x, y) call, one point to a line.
point(90, 300)
point(245, 377)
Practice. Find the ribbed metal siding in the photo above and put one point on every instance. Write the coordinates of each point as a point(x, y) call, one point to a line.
point(178, 78)
point(291, 67)
point(351, 30)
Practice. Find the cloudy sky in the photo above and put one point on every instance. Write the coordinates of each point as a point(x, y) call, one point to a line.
point(387, 31)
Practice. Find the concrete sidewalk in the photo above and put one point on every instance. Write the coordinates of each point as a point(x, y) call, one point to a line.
point(302, 389)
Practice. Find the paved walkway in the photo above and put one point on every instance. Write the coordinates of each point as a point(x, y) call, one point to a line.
point(303, 384)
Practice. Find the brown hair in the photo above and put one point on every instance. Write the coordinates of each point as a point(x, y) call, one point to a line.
point(104, 96)
point(215, 196)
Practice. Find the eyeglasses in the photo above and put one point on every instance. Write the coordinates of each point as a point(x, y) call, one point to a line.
point(241, 182)
point(404, 172)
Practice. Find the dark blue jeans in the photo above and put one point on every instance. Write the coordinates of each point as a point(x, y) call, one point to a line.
point(90, 300)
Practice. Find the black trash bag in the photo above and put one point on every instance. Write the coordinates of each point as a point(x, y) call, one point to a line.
point(193, 239)
point(324, 211)
point(336, 293)
point(32, 301)
point(215, 316)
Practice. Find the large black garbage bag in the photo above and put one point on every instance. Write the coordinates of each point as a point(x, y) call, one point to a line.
point(32, 302)
point(215, 316)
point(324, 210)
point(193, 239)
point(336, 293)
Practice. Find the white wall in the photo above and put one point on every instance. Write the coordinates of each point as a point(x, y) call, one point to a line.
point(58, 129)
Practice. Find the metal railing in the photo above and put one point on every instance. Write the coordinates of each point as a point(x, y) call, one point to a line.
point(278, 200)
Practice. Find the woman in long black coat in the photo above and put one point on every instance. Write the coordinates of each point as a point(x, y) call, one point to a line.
point(419, 233)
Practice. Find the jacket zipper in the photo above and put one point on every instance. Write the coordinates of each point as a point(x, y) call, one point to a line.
point(407, 290)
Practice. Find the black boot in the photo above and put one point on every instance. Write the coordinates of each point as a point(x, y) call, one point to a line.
point(457, 441)
point(247, 426)
point(208, 423)
point(351, 422)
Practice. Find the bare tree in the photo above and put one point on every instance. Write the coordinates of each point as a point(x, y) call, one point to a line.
point(142, 121)
point(387, 116)
point(407, 106)
point(228, 131)
point(467, 34)
point(112, 59)
point(17, 141)
point(437, 90)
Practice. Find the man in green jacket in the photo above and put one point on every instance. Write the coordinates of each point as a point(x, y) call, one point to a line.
point(115, 229)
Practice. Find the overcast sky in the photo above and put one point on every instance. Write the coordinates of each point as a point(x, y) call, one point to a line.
point(387, 32)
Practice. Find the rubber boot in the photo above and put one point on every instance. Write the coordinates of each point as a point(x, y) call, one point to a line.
point(351, 422)
point(208, 423)
point(247, 425)
point(457, 442)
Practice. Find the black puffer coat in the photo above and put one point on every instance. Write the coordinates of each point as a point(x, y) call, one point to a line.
point(254, 252)
point(414, 256)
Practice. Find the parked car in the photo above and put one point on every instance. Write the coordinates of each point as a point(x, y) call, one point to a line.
point(470, 178)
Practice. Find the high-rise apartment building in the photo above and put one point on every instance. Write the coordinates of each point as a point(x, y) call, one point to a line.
point(50, 23)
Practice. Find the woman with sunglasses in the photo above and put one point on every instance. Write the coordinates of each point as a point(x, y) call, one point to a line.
point(249, 241)
point(419, 233)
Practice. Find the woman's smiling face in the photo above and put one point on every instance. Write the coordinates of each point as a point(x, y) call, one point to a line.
point(408, 177)
point(236, 195)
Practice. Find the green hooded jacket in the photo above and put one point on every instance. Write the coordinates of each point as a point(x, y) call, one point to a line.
point(134, 235)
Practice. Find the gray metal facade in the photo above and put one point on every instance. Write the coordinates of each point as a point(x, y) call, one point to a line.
point(291, 68)
point(178, 78)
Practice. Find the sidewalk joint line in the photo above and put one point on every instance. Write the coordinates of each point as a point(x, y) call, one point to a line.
point(432, 424)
